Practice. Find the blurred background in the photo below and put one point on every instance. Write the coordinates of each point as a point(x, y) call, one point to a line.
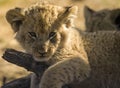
point(10, 71)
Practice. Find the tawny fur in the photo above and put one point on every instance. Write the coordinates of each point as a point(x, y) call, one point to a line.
point(72, 50)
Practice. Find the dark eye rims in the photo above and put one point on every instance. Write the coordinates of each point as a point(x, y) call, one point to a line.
point(52, 35)
point(32, 35)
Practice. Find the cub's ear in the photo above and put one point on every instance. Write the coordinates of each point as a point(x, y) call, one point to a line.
point(72, 14)
point(15, 18)
point(88, 13)
point(73, 11)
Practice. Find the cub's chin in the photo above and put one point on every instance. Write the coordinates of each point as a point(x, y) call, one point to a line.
point(42, 59)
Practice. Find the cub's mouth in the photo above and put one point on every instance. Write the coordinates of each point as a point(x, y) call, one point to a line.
point(42, 57)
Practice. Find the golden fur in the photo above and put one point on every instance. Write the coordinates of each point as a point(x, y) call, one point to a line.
point(52, 38)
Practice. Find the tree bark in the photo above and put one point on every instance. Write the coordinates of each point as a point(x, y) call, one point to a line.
point(24, 60)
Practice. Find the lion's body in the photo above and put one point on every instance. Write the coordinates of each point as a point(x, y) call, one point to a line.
point(68, 51)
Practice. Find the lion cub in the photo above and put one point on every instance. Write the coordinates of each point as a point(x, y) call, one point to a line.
point(46, 31)
point(103, 20)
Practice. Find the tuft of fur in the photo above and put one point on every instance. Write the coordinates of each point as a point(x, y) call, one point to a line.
point(71, 54)
point(101, 20)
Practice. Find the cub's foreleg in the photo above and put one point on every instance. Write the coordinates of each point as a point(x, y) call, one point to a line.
point(65, 72)
point(35, 80)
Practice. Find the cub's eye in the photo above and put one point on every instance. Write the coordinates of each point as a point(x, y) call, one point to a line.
point(32, 35)
point(52, 35)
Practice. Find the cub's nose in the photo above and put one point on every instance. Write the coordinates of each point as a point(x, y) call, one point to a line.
point(43, 53)
point(43, 50)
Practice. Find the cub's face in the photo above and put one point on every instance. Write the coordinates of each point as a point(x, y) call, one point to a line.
point(42, 44)
point(42, 30)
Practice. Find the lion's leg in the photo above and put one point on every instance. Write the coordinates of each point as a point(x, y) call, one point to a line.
point(35, 80)
point(65, 72)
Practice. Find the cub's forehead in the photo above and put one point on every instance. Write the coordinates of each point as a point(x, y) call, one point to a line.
point(43, 15)
point(44, 11)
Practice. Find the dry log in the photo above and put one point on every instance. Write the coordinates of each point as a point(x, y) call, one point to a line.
point(24, 60)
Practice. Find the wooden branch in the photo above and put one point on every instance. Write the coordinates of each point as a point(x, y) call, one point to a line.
point(24, 60)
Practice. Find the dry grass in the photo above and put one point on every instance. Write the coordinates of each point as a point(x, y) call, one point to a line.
point(7, 37)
